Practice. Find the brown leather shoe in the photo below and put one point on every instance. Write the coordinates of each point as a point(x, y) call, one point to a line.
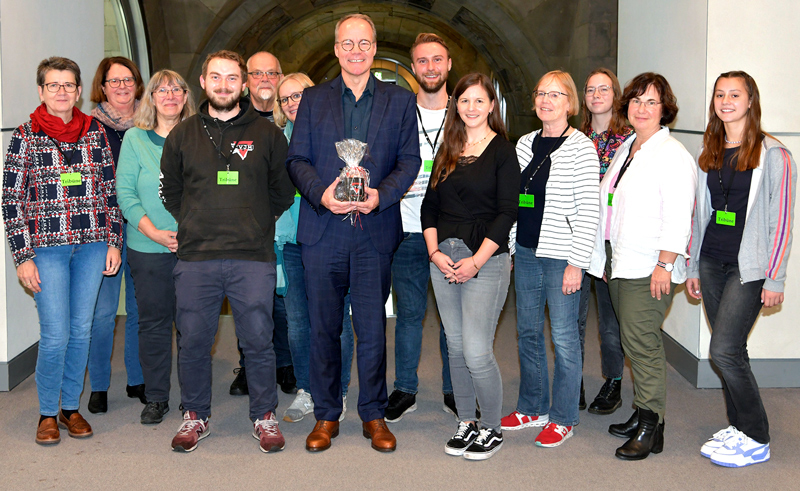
point(320, 438)
point(76, 426)
point(47, 433)
point(382, 438)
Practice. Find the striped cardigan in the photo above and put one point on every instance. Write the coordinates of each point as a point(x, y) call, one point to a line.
point(39, 212)
point(572, 199)
point(767, 236)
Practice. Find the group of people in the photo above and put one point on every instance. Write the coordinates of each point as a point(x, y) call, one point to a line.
point(238, 200)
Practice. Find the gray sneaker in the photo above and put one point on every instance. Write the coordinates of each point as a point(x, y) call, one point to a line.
point(302, 405)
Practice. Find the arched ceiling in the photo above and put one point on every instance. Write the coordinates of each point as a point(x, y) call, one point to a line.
point(514, 40)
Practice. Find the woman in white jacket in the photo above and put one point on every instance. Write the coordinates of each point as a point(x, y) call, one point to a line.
point(557, 221)
point(741, 237)
point(647, 197)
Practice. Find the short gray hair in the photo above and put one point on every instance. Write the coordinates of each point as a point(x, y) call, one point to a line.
point(363, 17)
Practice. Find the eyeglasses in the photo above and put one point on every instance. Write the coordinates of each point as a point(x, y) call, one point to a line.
point(115, 82)
point(552, 95)
point(600, 89)
point(294, 97)
point(163, 92)
point(258, 74)
point(650, 104)
point(55, 87)
point(348, 45)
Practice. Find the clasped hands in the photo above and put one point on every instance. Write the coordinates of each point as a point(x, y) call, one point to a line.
point(344, 207)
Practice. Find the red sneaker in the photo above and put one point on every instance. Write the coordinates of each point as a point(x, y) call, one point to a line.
point(190, 433)
point(517, 421)
point(268, 434)
point(553, 435)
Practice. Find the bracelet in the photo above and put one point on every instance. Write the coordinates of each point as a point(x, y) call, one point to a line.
point(430, 258)
point(474, 264)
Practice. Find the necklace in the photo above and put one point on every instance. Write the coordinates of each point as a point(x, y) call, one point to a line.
point(730, 142)
point(470, 145)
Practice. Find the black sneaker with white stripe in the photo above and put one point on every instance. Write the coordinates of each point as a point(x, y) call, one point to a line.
point(488, 442)
point(465, 435)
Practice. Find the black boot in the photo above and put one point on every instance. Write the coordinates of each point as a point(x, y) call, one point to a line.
point(582, 401)
point(98, 402)
point(628, 428)
point(648, 438)
point(239, 384)
point(136, 392)
point(608, 399)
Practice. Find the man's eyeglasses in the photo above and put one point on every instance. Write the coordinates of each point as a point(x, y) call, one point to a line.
point(115, 82)
point(600, 89)
point(348, 45)
point(258, 75)
point(294, 97)
point(55, 87)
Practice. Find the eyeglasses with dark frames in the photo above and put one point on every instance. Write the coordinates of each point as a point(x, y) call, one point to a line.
point(348, 45)
point(115, 82)
point(55, 87)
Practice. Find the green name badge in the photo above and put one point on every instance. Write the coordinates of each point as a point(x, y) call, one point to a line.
point(526, 201)
point(726, 218)
point(428, 165)
point(228, 177)
point(71, 179)
point(296, 193)
point(610, 199)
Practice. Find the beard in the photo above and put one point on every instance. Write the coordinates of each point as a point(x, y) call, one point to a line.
point(427, 87)
point(217, 101)
point(265, 94)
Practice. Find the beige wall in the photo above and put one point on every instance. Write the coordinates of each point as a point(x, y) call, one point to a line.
point(691, 42)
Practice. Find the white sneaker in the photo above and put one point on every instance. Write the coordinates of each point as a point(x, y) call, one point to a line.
point(741, 451)
point(344, 408)
point(302, 405)
point(717, 441)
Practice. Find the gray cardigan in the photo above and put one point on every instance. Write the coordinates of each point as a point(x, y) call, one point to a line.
point(767, 236)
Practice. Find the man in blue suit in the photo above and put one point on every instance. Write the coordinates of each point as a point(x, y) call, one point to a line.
point(337, 254)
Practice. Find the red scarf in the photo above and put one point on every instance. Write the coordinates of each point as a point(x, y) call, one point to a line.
point(54, 126)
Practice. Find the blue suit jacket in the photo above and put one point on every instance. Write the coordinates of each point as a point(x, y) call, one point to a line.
point(313, 163)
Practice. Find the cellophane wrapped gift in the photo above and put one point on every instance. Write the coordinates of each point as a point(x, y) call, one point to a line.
point(353, 179)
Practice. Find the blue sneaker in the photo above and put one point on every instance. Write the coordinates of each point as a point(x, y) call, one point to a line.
point(741, 451)
point(717, 441)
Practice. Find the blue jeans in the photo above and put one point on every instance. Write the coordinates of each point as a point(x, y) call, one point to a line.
point(469, 312)
point(300, 325)
point(410, 274)
point(70, 276)
point(105, 316)
point(732, 309)
point(612, 359)
point(538, 280)
point(200, 287)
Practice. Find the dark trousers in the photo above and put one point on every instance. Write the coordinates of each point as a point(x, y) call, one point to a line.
point(612, 360)
point(345, 259)
point(155, 297)
point(732, 309)
point(280, 335)
point(200, 287)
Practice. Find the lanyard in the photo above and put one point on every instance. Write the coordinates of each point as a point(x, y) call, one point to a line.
point(624, 168)
point(425, 132)
point(601, 152)
point(730, 185)
point(533, 154)
point(218, 148)
point(67, 160)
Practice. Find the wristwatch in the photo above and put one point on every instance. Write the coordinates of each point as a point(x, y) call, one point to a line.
point(667, 266)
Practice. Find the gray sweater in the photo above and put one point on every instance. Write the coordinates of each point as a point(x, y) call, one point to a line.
point(767, 237)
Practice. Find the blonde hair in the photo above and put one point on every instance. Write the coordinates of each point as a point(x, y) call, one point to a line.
point(277, 113)
point(566, 81)
point(146, 117)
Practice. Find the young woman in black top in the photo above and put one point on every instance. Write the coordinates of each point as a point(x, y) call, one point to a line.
point(467, 213)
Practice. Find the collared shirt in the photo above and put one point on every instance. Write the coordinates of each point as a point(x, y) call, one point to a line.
point(357, 112)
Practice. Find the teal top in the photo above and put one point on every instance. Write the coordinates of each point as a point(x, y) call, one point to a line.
point(138, 173)
point(286, 226)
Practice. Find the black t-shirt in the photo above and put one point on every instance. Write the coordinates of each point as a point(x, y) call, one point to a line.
point(722, 242)
point(529, 220)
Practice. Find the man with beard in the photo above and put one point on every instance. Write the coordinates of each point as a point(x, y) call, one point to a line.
point(223, 179)
point(336, 253)
point(431, 63)
point(263, 75)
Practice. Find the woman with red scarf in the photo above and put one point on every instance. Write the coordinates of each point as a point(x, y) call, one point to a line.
point(63, 225)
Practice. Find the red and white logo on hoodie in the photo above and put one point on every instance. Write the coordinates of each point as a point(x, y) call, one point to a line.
point(241, 148)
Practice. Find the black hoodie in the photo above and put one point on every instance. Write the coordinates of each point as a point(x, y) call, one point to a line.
point(225, 221)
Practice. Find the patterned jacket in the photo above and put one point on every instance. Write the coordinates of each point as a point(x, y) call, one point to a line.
point(38, 211)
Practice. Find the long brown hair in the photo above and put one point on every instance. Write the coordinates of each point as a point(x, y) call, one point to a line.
point(749, 152)
point(455, 133)
point(617, 125)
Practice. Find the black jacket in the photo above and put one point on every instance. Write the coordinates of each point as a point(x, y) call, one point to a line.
point(225, 221)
